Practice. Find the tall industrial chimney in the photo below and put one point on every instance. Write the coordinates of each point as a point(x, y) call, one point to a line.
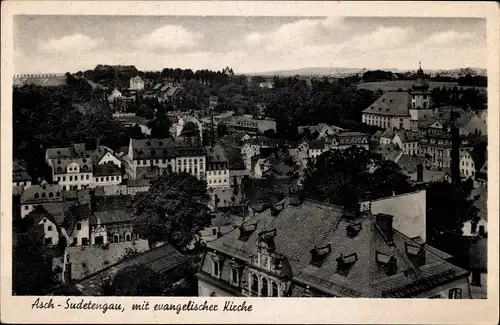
point(455, 153)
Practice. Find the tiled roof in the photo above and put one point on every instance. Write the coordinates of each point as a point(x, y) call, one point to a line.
point(108, 169)
point(19, 173)
point(112, 216)
point(392, 104)
point(37, 194)
point(167, 148)
point(160, 259)
point(87, 260)
point(408, 136)
point(61, 165)
point(234, 158)
point(300, 229)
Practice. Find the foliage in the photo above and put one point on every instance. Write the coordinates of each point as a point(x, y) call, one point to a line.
point(342, 177)
point(137, 280)
point(173, 209)
point(463, 98)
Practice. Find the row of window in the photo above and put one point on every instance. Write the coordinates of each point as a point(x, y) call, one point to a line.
point(425, 105)
point(217, 172)
point(71, 178)
point(466, 172)
point(183, 161)
point(22, 183)
point(218, 181)
point(107, 178)
point(466, 163)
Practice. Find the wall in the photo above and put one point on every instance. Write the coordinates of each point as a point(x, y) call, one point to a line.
point(218, 178)
point(53, 233)
point(84, 232)
point(409, 211)
point(108, 157)
point(467, 228)
point(479, 292)
point(208, 290)
point(26, 209)
point(107, 180)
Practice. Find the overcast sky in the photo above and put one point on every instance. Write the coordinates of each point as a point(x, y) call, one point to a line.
point(57, 44)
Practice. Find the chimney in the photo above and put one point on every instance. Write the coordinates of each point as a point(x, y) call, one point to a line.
point(420, 173)
point(384, 224)
point(455, 156)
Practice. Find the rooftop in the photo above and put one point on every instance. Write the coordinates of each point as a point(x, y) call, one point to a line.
point(46, 193)
point(391, 104)
point(299, 229)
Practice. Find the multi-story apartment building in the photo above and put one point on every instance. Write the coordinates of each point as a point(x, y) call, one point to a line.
point(217, 167)
point(436, 149)
point(73, 173)
point(179, 155)
point(309, 249)
point(390, 111)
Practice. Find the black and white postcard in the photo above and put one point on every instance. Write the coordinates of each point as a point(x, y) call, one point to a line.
point(249, 162)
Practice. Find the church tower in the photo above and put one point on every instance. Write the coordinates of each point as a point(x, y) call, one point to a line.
point(420, 100)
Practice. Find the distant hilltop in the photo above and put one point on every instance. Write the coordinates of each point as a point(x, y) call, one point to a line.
point(319, 71)
point(120, 68)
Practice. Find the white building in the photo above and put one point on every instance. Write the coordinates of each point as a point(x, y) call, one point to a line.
point(407, 141)
point(166, 155)
point(73, 174)
point(136, 83)
point(390, 111)
point(467, 166)
point(217, 167)
point(116, 94)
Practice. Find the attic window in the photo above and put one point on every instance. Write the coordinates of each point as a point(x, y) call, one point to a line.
point(148, 143)
point(84, 160)
point(58, 194)
point(88, 156)
point(58, 152)
point(59, 169)
point(58, 161)
point(44, 187)
point(51, 194)
point(246, 231)
point(413, 250)
point(318, 255)
point(44, 195)
point(37, 195)
point(389, 263)
point(85, 167)
point(353, 230)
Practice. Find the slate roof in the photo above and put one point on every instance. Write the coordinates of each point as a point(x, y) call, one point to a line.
point(112, 216)
point(299, 229)
point(108, 169)
point(234, 158)
point(408, 136)
point(37, 194)
point(160, 259)
point(61, 165)
point(19, 173)
point(167, 148)
point(389, 152)
point(391, 104)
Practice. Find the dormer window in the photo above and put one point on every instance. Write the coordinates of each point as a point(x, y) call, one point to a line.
point(388, 262)
point(415, 253)
point(276, 209)
point(318, 255)
point(246, 231)
point(345, 263)
point(353, 230)
point(216, 266)
point(266, 240)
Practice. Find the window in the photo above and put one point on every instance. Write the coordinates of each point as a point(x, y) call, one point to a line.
point(70, 178)
point(127, 237)
point(476, 278)
point(455, 293)
point(235, 276)
point(107, 178)
point(64, 178)
point(75, 240)
point(49, 228)
point(85, 241)
point(274, 289)
point(214, 231)
point(87, 176)
point(78, 226)
point(264, 290)
point(215, 269)
point(26, 207)
point(255, 285)
point(48, 241)
point(116, 238)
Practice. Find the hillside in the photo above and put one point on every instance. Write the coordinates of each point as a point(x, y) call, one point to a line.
point(406, 84)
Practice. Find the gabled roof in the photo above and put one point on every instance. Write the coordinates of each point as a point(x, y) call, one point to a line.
point(160, 259)
point(108, 169)
point(19, 173)
point(309, 225)
point(389, 152)
point(74, 214)
point(60, 165)
point(408, 136)
point(111, 217)
point(391, 104)
point(234, 158)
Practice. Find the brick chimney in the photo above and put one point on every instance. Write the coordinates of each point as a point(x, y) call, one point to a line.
point(384, 224)
point(420, 173)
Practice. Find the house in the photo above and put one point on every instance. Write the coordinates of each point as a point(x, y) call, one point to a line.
point(37, 195)
point(389, 152)
point(409, 165)
point(345, 139)
point(49, 222)
point(136, 83)
point(115, 95)
point(237, 168)
point(221, 224)
point(472, 124)
point(436, 149)
point(248, 124)
point(112, 226)
point(390, 111)
point(309, 249)
point(179, 155)
point(407, 141)
point(322, 129)
point(20, 178)
point(178, 127)
point(73, 151)
point(467, 165)
point(387, 136)
point(73, 173)
point(163, 260)
point(76, 225)
point(217, 167)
